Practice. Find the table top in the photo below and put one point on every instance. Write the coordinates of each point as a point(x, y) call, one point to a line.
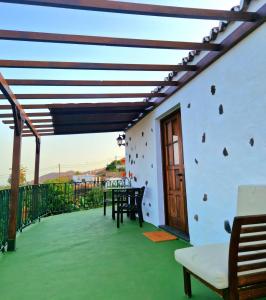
point(121, 188)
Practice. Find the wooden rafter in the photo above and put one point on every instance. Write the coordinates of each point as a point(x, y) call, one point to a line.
point(8, 94)
point(143, 9)
point(130, 106)
point(103, 41)
point(42, 82)
point(86, 96)
point(92, 66)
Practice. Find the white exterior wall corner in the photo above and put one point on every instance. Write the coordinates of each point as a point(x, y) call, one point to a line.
point(240, 80)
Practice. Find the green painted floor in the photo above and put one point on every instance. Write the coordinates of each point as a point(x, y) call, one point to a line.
point(83, 256)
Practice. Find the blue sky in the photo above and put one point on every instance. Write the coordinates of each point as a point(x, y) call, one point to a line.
point(83, 152)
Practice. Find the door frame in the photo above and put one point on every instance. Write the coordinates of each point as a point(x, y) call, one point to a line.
point(181, 234)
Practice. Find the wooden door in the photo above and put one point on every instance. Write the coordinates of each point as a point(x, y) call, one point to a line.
point(174, 173)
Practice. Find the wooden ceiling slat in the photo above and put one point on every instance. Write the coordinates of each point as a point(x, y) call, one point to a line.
point(86, 96)
point(39, 130)
point(34, 121)
point(103, 41)
point(48, 126)
point(51, 126)
point(143, 9)
point(42, 114)
point(41, 134)
point(42, 82)
point(93, 66)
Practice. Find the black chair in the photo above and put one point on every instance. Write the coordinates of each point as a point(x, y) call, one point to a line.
point(130, 204)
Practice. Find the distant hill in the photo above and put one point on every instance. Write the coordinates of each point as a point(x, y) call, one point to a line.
point(54, 175)
point(102, 172)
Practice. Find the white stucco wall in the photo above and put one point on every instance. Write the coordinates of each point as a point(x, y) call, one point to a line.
point(240, 80)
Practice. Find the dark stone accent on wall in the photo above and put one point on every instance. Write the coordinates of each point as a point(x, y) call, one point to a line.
point(147, 214)
point(213, 90)
point(225, 152)
point(189, 105)
point(146, 182)
point(146, 144)
point(152, 166)
point(221, 109)
point(251, 142)
point(196, 218)
point(142, 133)
point(227, 227)
point(137, 156)
point(196, 161)
point(143, 203)
point(130, 138)
point(126, 144)
point(205, 197)
point(135, 179)
point(143, 156)
point(203, 138)
point(129, 156)
point(149, 204)
point(151, 129)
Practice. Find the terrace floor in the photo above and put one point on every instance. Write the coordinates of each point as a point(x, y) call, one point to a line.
point(83, 255)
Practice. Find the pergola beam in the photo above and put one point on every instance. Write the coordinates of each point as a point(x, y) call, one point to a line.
point(92, 66)
point(86, 96)
point(143, 9)
point(14, 35)
point(42, 82)
point(8, 94)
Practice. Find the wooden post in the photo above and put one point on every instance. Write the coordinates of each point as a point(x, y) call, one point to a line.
point(13, 206)
point(37, 161)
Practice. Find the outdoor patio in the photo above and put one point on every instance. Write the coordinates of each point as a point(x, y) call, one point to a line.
point(82, 255)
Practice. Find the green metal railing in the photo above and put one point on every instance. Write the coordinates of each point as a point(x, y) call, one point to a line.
point(37, 201)
point(4, 212)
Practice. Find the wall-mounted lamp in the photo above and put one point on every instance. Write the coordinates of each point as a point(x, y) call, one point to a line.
point(121, 140)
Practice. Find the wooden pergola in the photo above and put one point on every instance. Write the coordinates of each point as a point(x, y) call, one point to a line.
point(62, 119)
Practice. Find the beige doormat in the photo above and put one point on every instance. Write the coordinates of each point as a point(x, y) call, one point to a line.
point(160, 236)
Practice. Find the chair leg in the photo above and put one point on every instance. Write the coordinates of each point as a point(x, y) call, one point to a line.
point(118, 217)
point(187, 283)
point(104, 204)
point(122, 219)
point(104, 208)
point(140, 215)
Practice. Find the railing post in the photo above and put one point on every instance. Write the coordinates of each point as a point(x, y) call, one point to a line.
point(37, 161)
point(13, 206)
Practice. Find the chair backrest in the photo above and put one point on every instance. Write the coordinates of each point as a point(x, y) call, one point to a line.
point(247, 258)
point(251, 200)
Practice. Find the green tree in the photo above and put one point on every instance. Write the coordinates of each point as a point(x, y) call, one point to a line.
point(22, 176)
